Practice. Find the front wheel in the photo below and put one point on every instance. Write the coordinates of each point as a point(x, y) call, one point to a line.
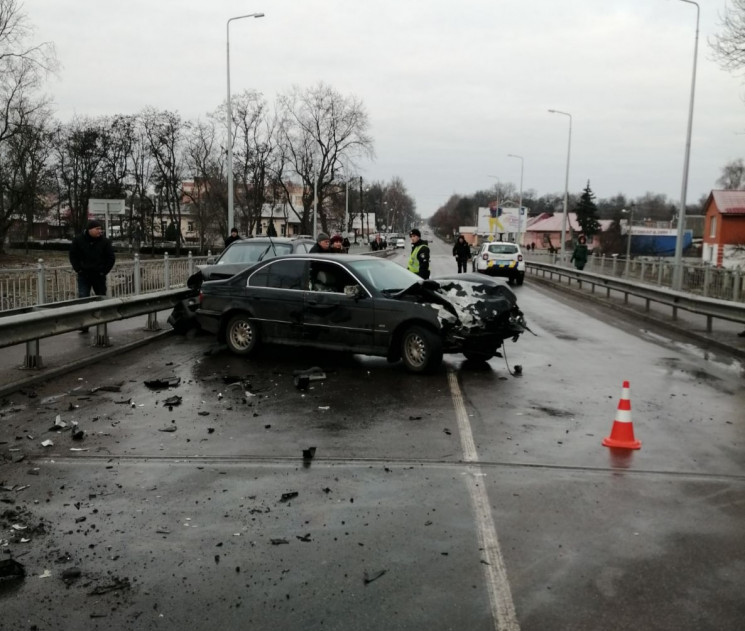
point(421, 350)
point(241, 335)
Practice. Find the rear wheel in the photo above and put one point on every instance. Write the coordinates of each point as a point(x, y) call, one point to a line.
point(241, 335)
point(421, 349)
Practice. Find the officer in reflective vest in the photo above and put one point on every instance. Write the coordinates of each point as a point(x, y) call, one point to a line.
point(419, 259)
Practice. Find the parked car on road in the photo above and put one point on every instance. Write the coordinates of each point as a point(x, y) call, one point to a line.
point(499, 258)
point(359, 304)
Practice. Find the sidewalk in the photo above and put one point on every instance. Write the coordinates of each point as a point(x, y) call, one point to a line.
point(68, 351)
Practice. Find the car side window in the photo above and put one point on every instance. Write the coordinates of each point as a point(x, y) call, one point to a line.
point(286, 274)
point(329, 277)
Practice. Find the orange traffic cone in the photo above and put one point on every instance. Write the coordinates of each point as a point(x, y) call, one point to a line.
point(622, 434)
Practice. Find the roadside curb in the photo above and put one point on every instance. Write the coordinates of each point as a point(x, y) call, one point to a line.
point(95, 357)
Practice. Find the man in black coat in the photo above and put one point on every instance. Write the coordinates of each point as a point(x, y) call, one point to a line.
point(462, 252)
point(92, 257)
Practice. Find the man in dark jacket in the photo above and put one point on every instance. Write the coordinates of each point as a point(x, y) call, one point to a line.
point(419, 259)
point(233, 237)
point(92, 257)
point(323, 244)
point(462, 252)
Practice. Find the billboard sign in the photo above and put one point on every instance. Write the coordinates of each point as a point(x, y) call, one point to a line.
point(496, 219)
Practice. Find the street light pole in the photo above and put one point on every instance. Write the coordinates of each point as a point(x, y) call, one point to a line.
point(230, 120)
point(566, 187)
point(520, 209)
point(678, 260)
point(630, 212)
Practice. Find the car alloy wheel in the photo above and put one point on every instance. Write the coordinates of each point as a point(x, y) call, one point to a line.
point(421, 349)
point(241, 335)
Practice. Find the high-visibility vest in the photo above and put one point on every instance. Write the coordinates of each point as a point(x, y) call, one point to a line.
point(413, 260)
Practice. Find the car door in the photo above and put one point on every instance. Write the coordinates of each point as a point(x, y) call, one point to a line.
point(275, 293)
point(336, 315)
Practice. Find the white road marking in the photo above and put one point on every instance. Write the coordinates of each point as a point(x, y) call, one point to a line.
point(500, 596)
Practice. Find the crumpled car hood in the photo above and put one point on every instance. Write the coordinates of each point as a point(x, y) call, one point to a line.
point(465, 307)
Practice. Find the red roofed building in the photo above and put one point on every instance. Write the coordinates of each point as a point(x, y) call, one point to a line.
point(724, 229)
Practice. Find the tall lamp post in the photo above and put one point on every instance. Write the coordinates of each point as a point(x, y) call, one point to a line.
point(566, 186)
point(630, 213)
point(520, 209)
point(678, 260)
point(230, 120)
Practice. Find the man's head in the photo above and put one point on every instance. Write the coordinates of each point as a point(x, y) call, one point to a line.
point(415, 235)
point(234, 232)
point(323, 240)
point(94, 228)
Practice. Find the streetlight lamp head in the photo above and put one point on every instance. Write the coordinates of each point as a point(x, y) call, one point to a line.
point(258, 15)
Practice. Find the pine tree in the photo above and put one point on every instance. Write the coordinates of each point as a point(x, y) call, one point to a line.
point(587, 213)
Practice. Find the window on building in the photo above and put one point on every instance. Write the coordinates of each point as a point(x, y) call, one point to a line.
point(190, 226)
point(713, 226)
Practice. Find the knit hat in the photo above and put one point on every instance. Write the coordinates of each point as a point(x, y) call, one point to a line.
point(93, 223)
point(322, 236)
point(415, 232)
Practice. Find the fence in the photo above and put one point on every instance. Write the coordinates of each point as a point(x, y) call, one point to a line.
point(29, 287)
point(698, 278)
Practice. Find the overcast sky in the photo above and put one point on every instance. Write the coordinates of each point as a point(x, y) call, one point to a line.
point(450, 88)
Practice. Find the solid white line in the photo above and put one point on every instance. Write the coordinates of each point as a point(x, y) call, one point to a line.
point(498, 587)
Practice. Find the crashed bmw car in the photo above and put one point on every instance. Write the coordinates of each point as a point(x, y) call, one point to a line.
point(360, 304)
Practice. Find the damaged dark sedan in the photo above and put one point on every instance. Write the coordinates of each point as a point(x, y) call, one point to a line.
point(362, 305)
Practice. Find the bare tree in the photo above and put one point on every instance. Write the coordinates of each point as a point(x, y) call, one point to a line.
point(204, 161)
point(165, 136)
point(320, 127)
point(729, 45)
point(733, 175)
point(79, 153)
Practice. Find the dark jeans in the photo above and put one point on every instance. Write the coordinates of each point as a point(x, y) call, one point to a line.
point(88, 282)
point(462, 265)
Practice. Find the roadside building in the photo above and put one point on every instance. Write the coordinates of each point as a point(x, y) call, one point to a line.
point(724, 229)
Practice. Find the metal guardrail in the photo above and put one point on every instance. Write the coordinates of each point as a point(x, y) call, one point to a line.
point(709, 307)
point(30, 325)
point(29, 287)
point(698, 278)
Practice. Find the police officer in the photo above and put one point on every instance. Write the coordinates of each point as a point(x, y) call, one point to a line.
point(419, 259)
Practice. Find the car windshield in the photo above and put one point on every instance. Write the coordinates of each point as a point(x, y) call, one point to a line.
point(251, 252)
point(385, 276)
point(502, 248)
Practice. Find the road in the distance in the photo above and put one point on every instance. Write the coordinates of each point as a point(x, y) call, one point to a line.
point(420, 488)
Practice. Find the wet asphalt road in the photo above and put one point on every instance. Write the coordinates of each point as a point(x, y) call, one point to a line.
point(469, 499)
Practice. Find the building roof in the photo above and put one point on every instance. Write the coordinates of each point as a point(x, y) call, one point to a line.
point(553, 223)
point(728, 202)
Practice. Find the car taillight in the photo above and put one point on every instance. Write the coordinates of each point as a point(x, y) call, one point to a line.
point(201, 297)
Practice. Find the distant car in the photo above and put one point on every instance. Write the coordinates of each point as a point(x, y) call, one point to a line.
point(499, 258)
point(359, 304)
point(400, 242)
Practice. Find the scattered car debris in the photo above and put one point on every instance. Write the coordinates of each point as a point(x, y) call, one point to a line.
point(115, 585)
point(369, 577)
point(59, 424)
point(172, 401)
point(309, 453)
point(78, 434)
point(203, 413)
point(170, 429)
point(288, 496)
point(112, 388)
point(71, 574)
point(47, 443)
point(278, 542)
point(304, 377)
point(303, 538)
point(162, 383)
point(10, 569)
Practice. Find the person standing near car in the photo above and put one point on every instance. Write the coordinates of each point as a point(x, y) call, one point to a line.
point(337, 244)
point(323, 244)
point(233, 236)
point(462, 253)
point(419, 259)
point(92, 257)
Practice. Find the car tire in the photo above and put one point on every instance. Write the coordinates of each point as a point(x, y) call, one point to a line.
point(478, 356)
point(241, 335)
point(421, 350)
